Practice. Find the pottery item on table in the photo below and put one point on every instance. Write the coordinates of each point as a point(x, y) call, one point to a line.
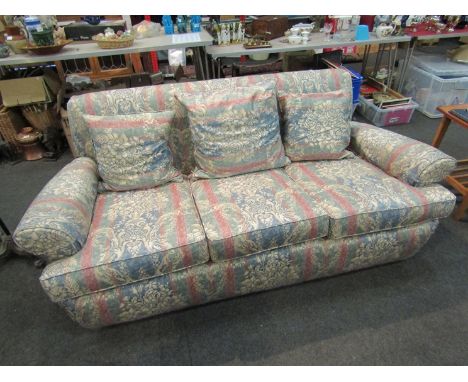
point(4, 51)
point(384, 31)
point(44, 37)
point(32, 23)
point(293, 39)
point(43, 50)
point(295, 31)
point(18, 45)
point(29, 140)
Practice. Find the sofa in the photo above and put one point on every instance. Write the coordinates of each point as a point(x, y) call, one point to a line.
point(119, 256)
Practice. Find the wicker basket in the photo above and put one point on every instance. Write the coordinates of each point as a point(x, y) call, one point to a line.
point(66, 130)
point(11, 123)
point(123, 42)
point(41, 116)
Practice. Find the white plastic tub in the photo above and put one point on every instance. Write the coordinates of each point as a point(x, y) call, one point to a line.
point(397, 115)
point(430, 91)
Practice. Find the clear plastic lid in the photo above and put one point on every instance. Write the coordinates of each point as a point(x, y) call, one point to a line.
point(440, 65)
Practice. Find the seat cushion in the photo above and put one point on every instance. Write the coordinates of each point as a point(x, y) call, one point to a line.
point(226, 123)
point(250, 213)
point(134, 235)
point(360, 198)
point(316, 125)
point(132, 150)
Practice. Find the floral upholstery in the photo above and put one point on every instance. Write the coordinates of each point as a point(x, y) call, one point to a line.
point(360, 198)
point(223, 124)
point(132, 150)
point(316, 125)
point(161, 98)
point(411, 161)
point(271, 269)
point(250, 213)
point(56, 223)
point(134, 235)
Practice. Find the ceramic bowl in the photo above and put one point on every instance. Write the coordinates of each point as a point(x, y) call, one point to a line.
point(295, 39)
point(295, 31)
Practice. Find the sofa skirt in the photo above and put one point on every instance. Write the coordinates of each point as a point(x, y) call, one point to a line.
point(266, 270)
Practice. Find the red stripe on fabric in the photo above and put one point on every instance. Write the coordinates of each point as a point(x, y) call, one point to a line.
point(104, 313)
point(302, 202)
point(279, 81)
point(396, 153)
point(246, 167)
point(251, 80)
point(123, 123)
point(315, 95)
point(192, 286)
point(86, 255)
point(160, 98)
point(72, 202)
point(322, 156)
point(343, 255)
point(228, 240)
point(230, 283)
point(412, 242)
point(181, 229)
point(420, 195)
point(336, 78)
point(308, 263)
point(89, 104)
point(352, 218)
point(235, 102)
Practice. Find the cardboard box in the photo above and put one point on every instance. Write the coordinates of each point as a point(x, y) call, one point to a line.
point(26, 91)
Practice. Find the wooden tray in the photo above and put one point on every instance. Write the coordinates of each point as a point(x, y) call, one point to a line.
point(51, 49)
point(257, 46)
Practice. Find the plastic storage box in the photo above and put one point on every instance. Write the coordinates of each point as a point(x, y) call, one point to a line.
point(397, 115)
point(430, 91)
point(356, 79)
point(440, 65)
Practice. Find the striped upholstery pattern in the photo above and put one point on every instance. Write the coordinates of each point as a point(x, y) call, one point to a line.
point(134, 235)
point(360, 198)
point(316, 125)
point(161, 97)
point(56, 223)
point(132, 150)
point(271, 269)
point(225, 124)
point(411, 161)
point(250, 213)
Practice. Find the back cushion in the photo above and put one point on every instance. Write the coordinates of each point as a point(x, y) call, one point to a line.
point(315, 125)
point(161, 97)
point(234, 132)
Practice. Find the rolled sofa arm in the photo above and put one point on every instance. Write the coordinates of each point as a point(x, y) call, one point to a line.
point(57, 222)
point(409, 160)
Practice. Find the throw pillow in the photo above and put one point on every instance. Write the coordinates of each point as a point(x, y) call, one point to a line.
point(132, 151)
point(316, 125)
point(234, 131)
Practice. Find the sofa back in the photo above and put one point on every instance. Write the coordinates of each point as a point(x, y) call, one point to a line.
point(161, 97)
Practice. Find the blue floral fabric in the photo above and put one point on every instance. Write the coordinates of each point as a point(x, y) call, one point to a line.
point(134, 235)
point(132, 151)
point(360, 198)
point(270, 269)
point(56, 223)
point(234, 132)
point(250, 213)
point(411, 161)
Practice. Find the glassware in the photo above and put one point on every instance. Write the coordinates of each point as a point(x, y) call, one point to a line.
point(327, 28)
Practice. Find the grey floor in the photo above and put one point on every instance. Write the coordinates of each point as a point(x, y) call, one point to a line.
point(408, 313)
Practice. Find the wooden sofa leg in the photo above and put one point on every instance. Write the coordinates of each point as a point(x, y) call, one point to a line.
point(460, 211)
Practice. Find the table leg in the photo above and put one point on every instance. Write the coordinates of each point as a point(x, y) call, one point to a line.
point(408, 55)
point(213, 72)
point(207, 75)
point(365, 56)
point(219, 67)
point(460, 211)
point(441, 130)
point(200, 62)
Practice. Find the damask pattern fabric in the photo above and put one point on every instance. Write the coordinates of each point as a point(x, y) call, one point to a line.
point(271, 269)
point(132, 150)
point(315, 125)
point(411, 161)
point(56, 223)
point(360, 198)
point(134, 235)
point(234, 132)
point(161, 98)
point(250, 213)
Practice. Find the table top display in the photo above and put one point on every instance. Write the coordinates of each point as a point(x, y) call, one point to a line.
point(315, 41)
point(91, 49)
